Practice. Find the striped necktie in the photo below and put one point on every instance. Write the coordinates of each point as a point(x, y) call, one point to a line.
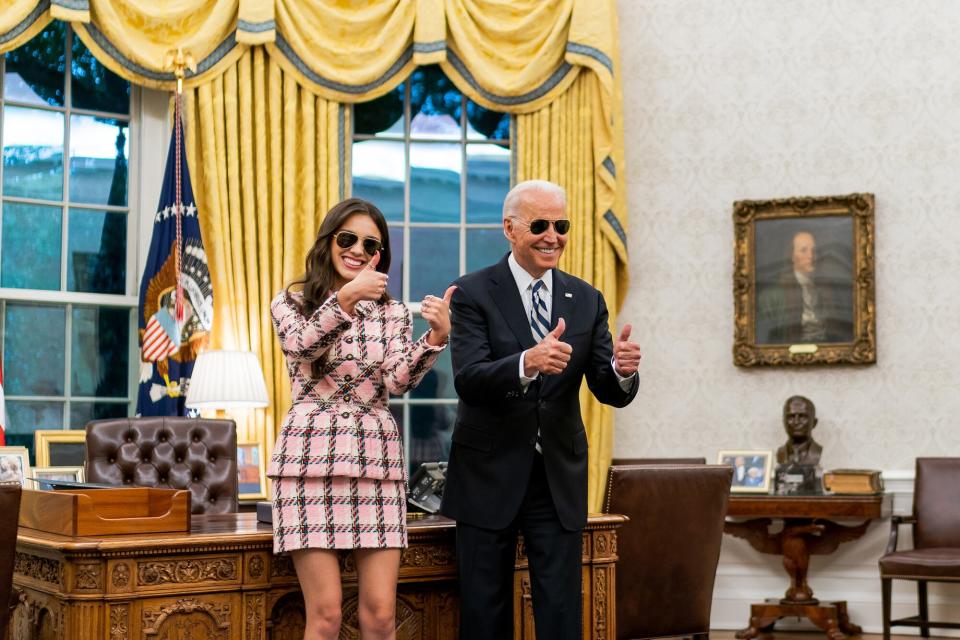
point(538, 313)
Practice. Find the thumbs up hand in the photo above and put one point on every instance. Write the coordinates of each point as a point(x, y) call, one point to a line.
point(550, 356)
point(626, 354)
point(368, 284)
point(436, 311)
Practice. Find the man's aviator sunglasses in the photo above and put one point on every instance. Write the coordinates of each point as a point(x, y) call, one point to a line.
point(346, 239)
point(539, 225)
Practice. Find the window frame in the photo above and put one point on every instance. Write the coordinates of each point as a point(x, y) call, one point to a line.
point(406, 401)
point(69, 300)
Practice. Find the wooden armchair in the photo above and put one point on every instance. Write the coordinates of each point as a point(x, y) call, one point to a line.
point(935, 556)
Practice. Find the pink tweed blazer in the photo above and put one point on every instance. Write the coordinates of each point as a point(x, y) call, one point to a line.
point(339, 424)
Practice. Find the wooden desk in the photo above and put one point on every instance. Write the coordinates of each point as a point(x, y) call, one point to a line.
point(221, 581)
point(809, 527)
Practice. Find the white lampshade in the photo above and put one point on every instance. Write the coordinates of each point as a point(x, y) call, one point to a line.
point(227, 380)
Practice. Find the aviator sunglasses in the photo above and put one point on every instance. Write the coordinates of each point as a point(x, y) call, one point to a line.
point(346, 239)
point(539, 226)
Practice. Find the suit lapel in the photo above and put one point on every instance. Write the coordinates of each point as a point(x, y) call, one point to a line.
point(563, 301)
point(504, 292)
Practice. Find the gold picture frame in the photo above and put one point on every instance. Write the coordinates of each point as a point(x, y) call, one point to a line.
point(251, 471)
point(752, 469)
point(14, 465)
point(803, 281)
point(58, 447)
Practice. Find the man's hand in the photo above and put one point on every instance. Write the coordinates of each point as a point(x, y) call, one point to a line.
point(626, 354)
point(550, 356)
point(369, 284)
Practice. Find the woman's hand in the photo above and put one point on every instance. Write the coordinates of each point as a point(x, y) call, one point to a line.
point(436, 311)
point(369, 284)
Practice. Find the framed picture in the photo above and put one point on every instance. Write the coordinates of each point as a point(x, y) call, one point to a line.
point(751, 470)
point(14, 464)
point(70, 474)
point(803, 281)
point(60, 448)
point(251, 472)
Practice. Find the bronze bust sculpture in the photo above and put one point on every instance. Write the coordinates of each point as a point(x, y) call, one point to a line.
point(799, 419)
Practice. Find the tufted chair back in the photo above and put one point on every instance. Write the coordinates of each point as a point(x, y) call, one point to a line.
point(169, 452)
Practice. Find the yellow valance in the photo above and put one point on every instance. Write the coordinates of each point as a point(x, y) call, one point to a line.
point(513, 56)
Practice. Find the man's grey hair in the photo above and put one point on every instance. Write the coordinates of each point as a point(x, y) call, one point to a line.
point(520, 190)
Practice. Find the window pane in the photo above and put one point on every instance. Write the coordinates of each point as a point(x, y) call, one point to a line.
point(430, 431)
point(378, 175)
point(485, 247)
point(383, 116)
point(435, 182)
point(83, 412)
point(438, 383)
point(35, 71)
point(488, 181)
point(395, 281)
point(484, 123)
point(97, 251)
point(98, 160)
point(93, 86)
point(434, 261)
point(32, 153)
point(31, 246)
point(100, 352)
point(24, 417)
point(435, 104)
point(34, 358)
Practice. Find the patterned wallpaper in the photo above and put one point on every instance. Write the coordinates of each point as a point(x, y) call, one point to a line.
point(734, 99)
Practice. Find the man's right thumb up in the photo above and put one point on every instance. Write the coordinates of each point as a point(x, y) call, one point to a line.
point(558, 330)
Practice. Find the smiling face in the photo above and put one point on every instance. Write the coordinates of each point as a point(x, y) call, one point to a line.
point(804, 253)
point(352, 260)
point(536, 253)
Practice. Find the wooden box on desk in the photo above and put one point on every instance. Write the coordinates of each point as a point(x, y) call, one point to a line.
point(78, 512)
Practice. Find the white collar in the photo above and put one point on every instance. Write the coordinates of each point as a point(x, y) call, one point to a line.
point(524, 279)
point(803, 279)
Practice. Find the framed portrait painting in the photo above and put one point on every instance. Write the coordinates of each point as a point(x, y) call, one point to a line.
point(14, 465)
point(752, 469)
point(804, 281)
point(60, 447)
point(251, 472)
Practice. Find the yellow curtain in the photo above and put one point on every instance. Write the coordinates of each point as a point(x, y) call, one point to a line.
point(20, 20)
point(266, 158)
point(559, 143)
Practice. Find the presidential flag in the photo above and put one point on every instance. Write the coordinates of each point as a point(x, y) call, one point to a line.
point(176, 298)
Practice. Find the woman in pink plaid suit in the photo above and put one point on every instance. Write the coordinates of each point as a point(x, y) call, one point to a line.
point(337, 466)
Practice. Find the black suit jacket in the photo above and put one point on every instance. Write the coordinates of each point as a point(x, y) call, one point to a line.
point(495, 433)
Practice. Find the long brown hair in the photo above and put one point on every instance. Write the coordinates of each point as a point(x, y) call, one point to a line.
point(320, 276)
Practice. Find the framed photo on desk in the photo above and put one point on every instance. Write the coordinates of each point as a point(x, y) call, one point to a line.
point(251, 472)
point(60, 447)
point(14, 465)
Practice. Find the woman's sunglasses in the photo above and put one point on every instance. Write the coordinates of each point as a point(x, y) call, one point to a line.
point(346, 239)
point(540, 226)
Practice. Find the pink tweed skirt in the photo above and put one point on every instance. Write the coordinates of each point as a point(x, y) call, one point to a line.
point(336, 512)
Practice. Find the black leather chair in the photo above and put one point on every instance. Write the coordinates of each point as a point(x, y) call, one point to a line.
point(175, 453)
point(669, 549)
point(10, 508)
point(935, 556)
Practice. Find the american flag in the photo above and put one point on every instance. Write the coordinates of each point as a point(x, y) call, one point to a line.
point(176, 297)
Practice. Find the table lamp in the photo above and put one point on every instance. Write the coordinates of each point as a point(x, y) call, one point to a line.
point(227, 380)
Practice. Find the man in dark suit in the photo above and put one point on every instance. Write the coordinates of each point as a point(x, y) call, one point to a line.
point(524, 336)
